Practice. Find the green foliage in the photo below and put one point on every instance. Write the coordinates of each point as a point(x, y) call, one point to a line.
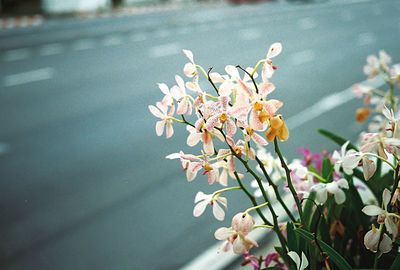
point(336, 138)
point(334, 256)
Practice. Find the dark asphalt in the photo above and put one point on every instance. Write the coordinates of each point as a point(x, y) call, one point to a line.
point(84, 183)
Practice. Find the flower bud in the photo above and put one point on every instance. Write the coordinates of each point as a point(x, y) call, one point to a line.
point(242, 223)
point(362, 114)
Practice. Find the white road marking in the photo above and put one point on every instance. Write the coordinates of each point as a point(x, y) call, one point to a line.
point(17, 54)
point(51, 49)
point(164, 50)
point(302, 57)
point(250, 34)
point(307, 23)
point(83, 44)
point(366, 38)
point(138, 37)
point(28, 77)
point(111, 41)
point(346, 15)
point(162, 33)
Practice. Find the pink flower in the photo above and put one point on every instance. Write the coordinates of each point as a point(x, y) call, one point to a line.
point(236, 235)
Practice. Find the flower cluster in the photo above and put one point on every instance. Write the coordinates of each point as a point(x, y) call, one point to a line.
point(230, 128)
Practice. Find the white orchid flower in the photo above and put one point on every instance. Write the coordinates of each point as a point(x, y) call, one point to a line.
point(383, 215)
point(334, 188)
point(161, 111)
point(371, 241)
point(348, 160)
point(202, 200)
point(300, 264)
point(268, 68)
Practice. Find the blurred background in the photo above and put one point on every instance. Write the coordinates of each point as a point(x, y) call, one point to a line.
point(83, 179)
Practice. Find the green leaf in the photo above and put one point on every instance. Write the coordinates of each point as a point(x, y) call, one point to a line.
point(327, 169)
point(291, 237)
point(396, 263)
point(336, 138)
point(339, 261)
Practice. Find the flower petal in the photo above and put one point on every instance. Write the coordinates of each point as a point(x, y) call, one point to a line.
point(160, 127)
point(295, 257)
point(198, 210)
point(218, 211)
point(274, 50)
point(372, 210)
point(223, 233)
point(386, 197)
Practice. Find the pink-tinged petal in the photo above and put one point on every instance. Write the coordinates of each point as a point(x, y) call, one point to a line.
point(200, 196)
point(223, 233)
point(242, 223)
point(274, 50)
point(218, 211)
point(226, 246)
point(372, 210)
point(239, 112)
point(181, 83)
point(192, 170)
point(266, 88)
point(189, 55)
point(267, 72)
point(193, 138)
point(232, 71)
point(238, 246)
point(208, 145)
point(216, 77)
point(212, 176)
point(386, 197)
point(212, 122)
point(182, 106)
point(386, 244)
point(369, 168)
point(223, 178)
point(176, 92)
point(164, 88)
point(258, 139)
point(160, 127)
point(225, 89)
point(199, 209)
point(245, 88)
point(231, 163)
point(223, 201)
point(169, 131)
point(272, 106)
point(255, 122)
point(224, 101)
point(230, 127)
point(155, 111)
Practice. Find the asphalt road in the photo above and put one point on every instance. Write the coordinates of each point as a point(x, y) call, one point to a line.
point(84, 183)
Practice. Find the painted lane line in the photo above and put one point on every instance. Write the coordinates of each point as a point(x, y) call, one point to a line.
point(17, 54)
point(366, 38)
point(164, 50)
point(250, 34)
point(83, 44)
point(51, 49)
point(28, 77)
point(111, 41)
point(302, 57)
point(307, 23)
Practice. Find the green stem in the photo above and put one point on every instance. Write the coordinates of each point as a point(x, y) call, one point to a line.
point(272, 184)
point(256, 207)
point(289, 180)
point(225, 190)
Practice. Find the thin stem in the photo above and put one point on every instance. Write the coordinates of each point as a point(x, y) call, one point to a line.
point(289, 180)
point(202, 71)
point(185, 121)
point(252, 199)
point(225, 190)
point(251, 77)
point(256, 67)
point(210, 80)
point(256, 207)
point(263, 226)
point(272, 184)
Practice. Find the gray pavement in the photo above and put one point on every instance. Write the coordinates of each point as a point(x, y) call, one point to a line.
point(84, 183)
